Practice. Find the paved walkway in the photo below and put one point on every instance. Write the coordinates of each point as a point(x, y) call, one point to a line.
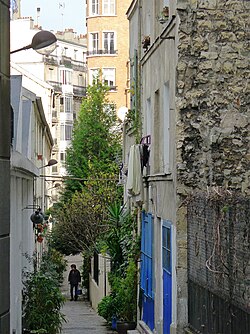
point(81, 318)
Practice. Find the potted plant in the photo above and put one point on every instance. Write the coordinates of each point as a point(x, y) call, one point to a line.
point(146, 42)
point(164, 15)
point(108, 309)
point(125, 289)
point(122, 245)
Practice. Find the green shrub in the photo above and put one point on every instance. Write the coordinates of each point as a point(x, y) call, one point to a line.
point(108, 307)
point(122, 301)
point(42, 303)
point(53, 263)
point(42, 298)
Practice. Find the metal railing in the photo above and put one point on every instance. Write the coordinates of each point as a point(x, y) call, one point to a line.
point(101, 52)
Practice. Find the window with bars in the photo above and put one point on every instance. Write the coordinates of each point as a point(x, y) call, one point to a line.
point(109, 42)
point(109, 7)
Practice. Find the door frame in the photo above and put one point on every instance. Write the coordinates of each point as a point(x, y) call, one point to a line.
point(167, 224)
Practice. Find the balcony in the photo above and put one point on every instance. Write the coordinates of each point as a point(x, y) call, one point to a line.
point(112, 88)
point(79, 91)
point(66, 61)
point(51, 60)
point(56, 85)
point(102, 52)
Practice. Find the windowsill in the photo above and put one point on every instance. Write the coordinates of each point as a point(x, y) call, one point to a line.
point(159, 177)
point(98, 15)
point(102, 55)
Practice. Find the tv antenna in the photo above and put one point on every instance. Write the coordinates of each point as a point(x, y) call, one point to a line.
point(61, 8)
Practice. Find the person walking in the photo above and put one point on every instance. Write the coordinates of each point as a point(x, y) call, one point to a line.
point(74, 279)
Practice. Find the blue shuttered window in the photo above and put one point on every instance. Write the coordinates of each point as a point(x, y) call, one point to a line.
point(146, 255)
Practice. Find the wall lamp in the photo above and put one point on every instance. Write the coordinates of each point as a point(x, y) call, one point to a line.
point(43, 42)
point(51, 162)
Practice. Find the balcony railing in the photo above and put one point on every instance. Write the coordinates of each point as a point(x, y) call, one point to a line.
point(113, 88)
point(101, 52)
point(56, 85)
point(79, 90)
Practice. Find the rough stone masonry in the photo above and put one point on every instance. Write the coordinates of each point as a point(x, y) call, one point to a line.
point(213, 116)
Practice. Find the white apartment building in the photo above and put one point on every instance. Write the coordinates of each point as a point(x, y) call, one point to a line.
point(63, 73)
point(31, 149)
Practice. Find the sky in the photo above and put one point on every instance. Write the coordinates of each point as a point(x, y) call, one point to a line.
point(56, 14)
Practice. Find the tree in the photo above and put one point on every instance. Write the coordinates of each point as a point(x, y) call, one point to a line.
point(96, 140)
point(84, 218)
point(92, 164)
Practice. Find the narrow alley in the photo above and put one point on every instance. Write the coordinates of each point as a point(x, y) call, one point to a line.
point(81, 318)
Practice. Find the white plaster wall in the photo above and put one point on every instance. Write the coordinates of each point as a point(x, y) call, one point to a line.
point(157, 73)
point(97, 292)
point(23, 192)
point(21, 243)
point(37, 86)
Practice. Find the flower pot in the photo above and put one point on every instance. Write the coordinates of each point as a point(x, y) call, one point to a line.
point(39, 238)
point(123, 326)
point(114, 322)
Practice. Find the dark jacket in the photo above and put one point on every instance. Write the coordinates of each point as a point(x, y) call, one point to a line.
point(74, 276)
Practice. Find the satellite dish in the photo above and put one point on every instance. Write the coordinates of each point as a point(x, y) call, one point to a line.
point(121, 113)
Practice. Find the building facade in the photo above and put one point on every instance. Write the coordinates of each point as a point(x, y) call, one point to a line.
point(31, 150)
point(5, 135)
point(108, 43)
point(188, 62)
point(64, 71)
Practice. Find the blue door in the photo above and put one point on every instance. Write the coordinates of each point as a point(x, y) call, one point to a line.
point(146, 278)
point(167, 276)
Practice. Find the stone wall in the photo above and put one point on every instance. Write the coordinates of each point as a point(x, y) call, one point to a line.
point(213, 118)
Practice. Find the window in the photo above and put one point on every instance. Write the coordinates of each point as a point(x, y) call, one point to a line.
point(65, 77)
point(51, 73)
point(62, 156)
point(80, 80)
point(54, 169)
point(108, 7)
point(166, 134)
point(157, 128)
point(108, 42)
point(94, 7)
point(66, 131)
point(93, 74)
point(108, 75)
point(166, 248)
point(94, 42)
point(147, 254)
point(148, 117)
point(75, 54)
point(68, 102)
point(65, 49)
